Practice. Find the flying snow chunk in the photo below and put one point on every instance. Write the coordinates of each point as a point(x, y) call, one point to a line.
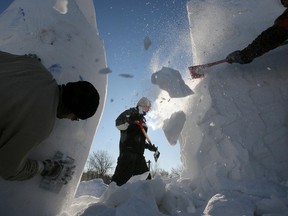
point(147, 43)
point(172, 127)
point(61, 6)
point(171, 81)
point(126, 75)
point(105, 71)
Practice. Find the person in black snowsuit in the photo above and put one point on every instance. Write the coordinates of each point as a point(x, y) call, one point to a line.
point(268, 40)
point(131, 160)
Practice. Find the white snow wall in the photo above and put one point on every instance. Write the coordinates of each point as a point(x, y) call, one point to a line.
point(237, 127)
point(69, 45)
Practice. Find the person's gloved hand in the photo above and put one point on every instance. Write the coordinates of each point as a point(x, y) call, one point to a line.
point(154, 148)
point(134, 124)
point(235, 57)
point(151, 147)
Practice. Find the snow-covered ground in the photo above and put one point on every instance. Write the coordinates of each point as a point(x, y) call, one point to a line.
point(234, 142)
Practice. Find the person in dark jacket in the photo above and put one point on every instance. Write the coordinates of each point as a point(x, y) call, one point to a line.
point(268, 40)
point(131, 160)
point(30, 102)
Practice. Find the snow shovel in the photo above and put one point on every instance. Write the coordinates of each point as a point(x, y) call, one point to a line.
point(194, 70)
point(157, 153)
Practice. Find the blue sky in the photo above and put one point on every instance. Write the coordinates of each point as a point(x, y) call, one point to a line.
point(123, 25)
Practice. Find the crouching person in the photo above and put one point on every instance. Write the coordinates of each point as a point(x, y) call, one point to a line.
point(31, 100)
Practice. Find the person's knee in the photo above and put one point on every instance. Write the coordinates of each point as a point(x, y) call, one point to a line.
point(26, 170)
point(6, 174)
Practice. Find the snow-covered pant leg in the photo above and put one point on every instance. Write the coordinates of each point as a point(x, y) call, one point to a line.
point(125, 167)
point(141, 166)
point(28, 170)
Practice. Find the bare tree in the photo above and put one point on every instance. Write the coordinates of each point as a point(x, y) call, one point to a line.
point(176, 172)
point(99, 163)
point(163, 173)
point(156, 170)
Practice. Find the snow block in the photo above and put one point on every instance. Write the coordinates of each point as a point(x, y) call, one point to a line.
point(170, 80)
point(172, 127)
point(70, 43)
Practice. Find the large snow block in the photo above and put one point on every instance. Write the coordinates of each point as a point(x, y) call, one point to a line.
point(69, 46)
point(236, 126)
point(172, 127)
point(170, 80)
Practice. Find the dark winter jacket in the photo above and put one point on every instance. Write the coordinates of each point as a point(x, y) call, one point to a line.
point(132, 138)
point(269, 39)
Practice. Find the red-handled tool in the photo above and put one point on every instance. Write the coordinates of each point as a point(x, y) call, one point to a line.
point(157, 153)
point(194, 70)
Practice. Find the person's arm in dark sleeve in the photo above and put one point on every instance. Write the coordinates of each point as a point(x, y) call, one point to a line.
point(150, 147)
point(268, 40)
point(122, 121)
point(125, 119)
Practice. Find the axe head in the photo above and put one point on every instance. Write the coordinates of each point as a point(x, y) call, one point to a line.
point(194, 72)
point(156, 155)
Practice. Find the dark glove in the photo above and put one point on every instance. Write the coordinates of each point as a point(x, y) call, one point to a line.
point(133, 123)
point(235, 57)
point(151, 147)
